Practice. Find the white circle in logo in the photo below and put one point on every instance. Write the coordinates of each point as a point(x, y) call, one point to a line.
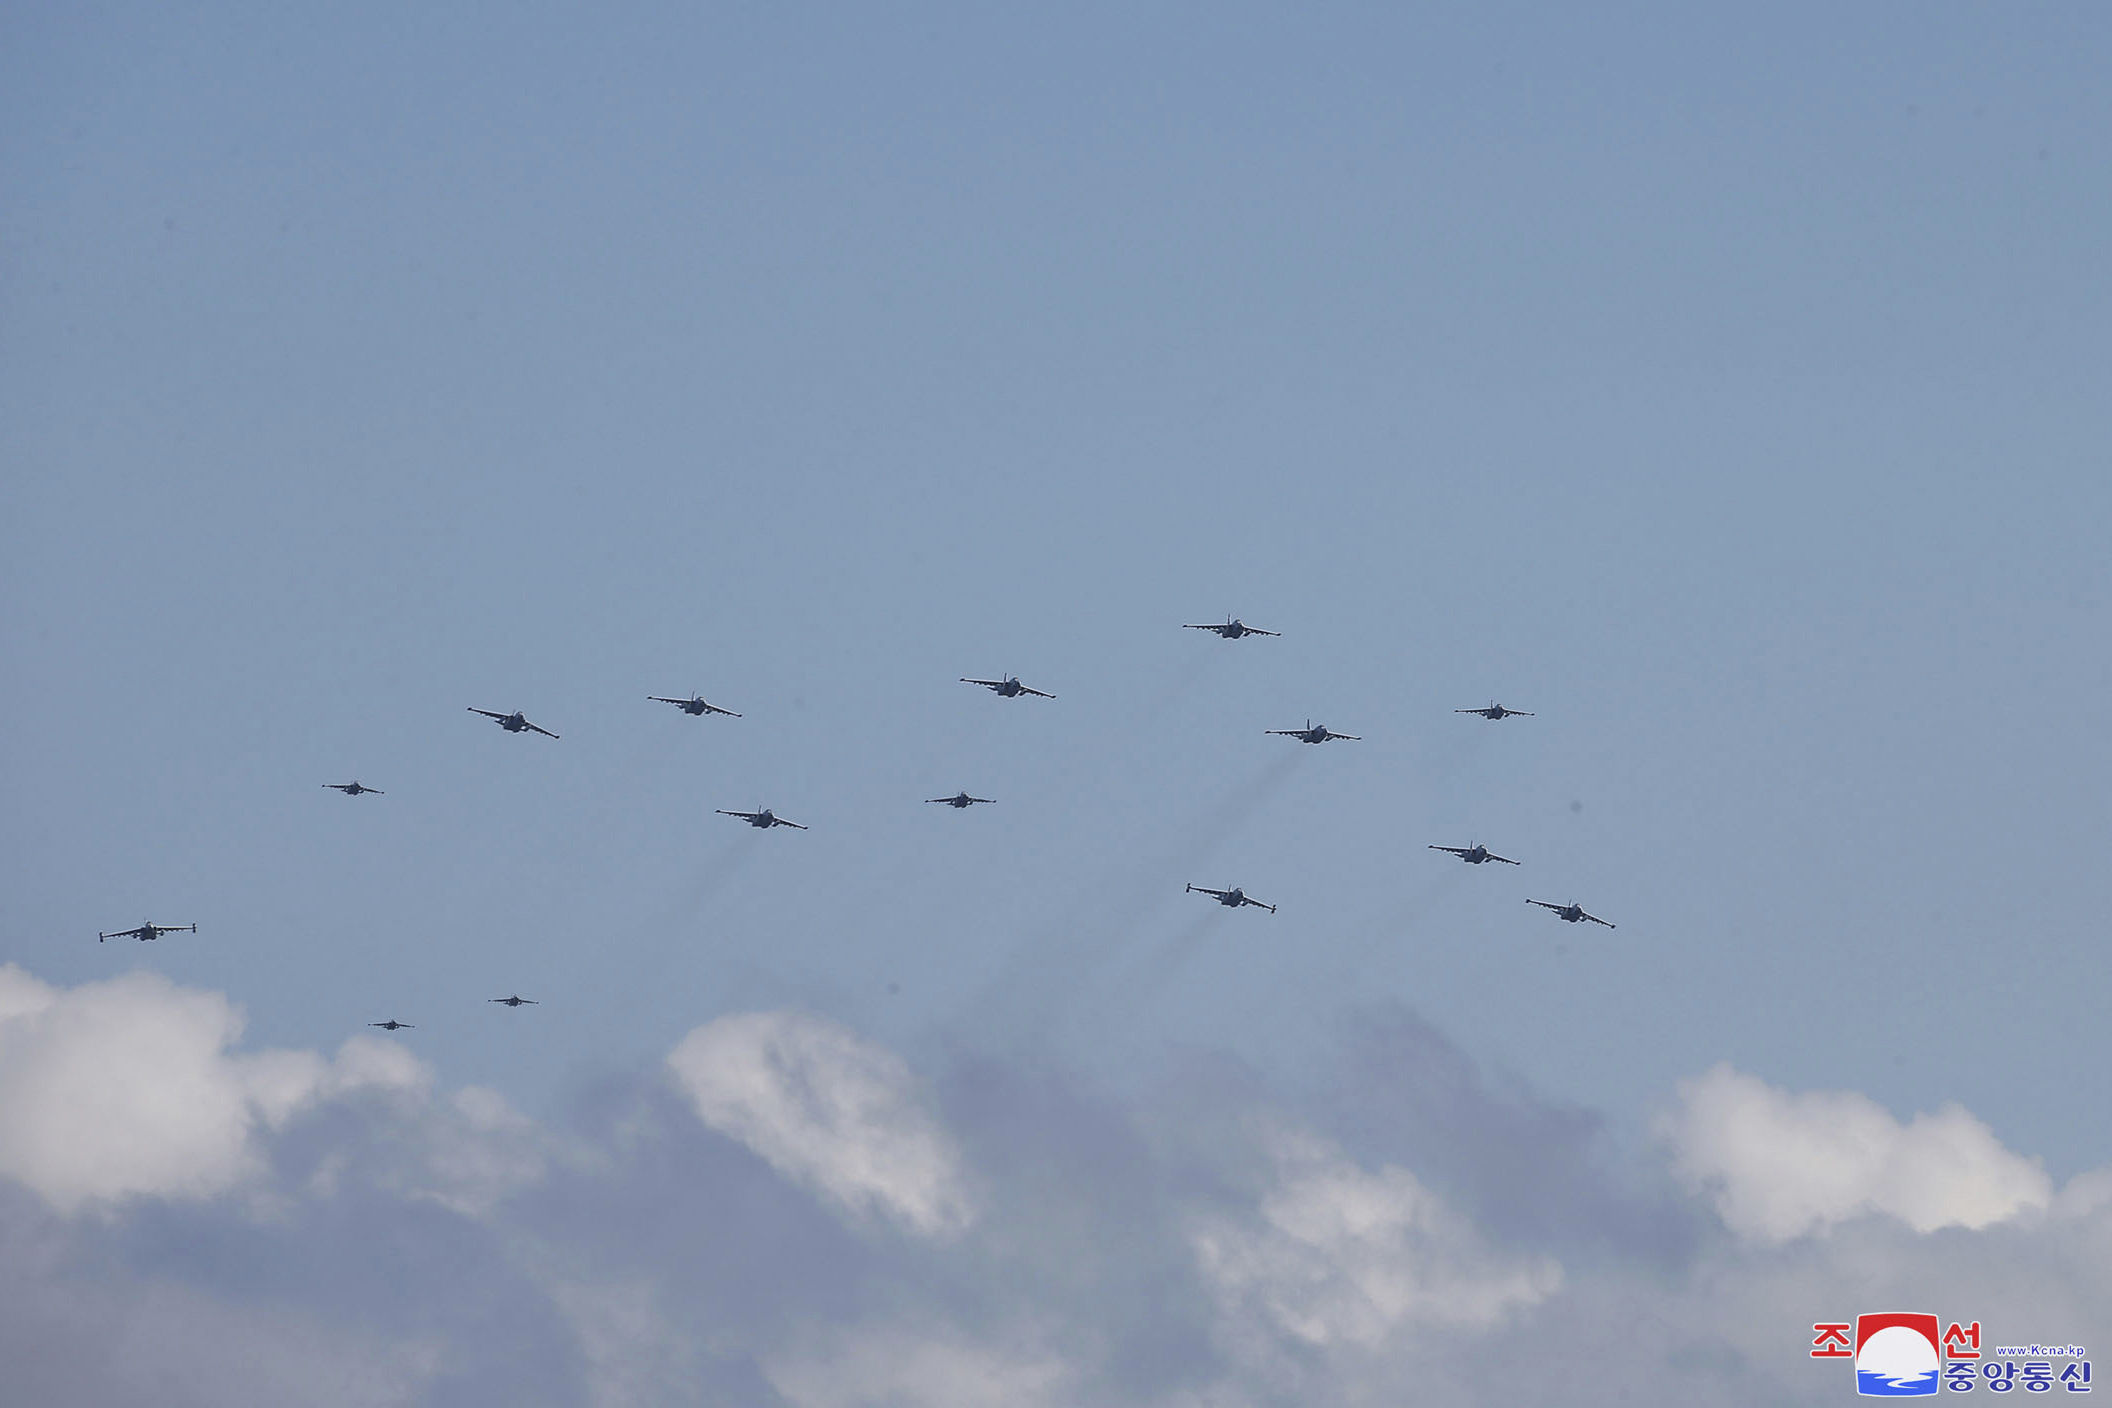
point(1897, 1352)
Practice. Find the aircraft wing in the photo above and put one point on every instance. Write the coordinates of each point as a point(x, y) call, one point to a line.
point(1596, 920)
point(657, 699)
point(1037, 693)
point(1505, 859)
point(982, 799)
point(744, 816)
point(715, 709)
point(1257, 631)
point(986, 684)
point(540, 729)
point(1258, 904)
point(1346, 737)
point(1202, 628)
point(1206, 890)
point(1454, 850)
point(1470, 711)
point(1544, 904)
point(780, 821)
point(488, 714)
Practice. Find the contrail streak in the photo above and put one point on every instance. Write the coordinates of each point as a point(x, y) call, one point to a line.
point(710, 880)
point(1163, 963)
point(1048, 970)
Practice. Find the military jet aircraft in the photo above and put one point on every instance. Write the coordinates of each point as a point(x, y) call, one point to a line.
point(1313, 734)
point(764, 819)
point(514, 722)
point(1495, 711)
point(1233, 629)
point(1572, 912)
point(393, 1025)
point(1007, 688)
point(693, 705)
point(515, 1001)
point(355, 787)
point(1232, 898)
point(958, 799)
point(149, 931)
point(1475, 854)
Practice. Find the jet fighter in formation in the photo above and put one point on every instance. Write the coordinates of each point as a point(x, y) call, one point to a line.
point(1007, 688)
point(1233, 629)
point(1495, 711)
point(148, 931)
point(1574, 913)
point(695, 704)
point(1232, 898)
point(958, 799)
point(515, 1001)
point(514, 722)
point(1313, 733)
point(355, 788)
point(393, 1025)
point(1475, 854)
point(764, 819)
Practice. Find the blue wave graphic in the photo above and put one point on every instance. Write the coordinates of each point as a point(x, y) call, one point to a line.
point(1875, 1385)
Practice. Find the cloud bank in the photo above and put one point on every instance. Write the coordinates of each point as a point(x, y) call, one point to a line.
point(788, 1214)
point(1778, 1165)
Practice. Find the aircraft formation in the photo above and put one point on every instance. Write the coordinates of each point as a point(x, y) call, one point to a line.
point(1005, 687)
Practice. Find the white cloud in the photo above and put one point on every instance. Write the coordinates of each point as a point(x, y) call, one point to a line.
point(465, 1152)
point(126, 1087)
point(935, 1367)
point(1340, 1256)
point(2086, 1194)
point(636, 1357)
point(828, 1109)
point(1780, 1166)
point(1336, 1277)
point(122, 1341)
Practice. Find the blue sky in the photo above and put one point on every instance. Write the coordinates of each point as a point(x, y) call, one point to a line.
point(1727, 390)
